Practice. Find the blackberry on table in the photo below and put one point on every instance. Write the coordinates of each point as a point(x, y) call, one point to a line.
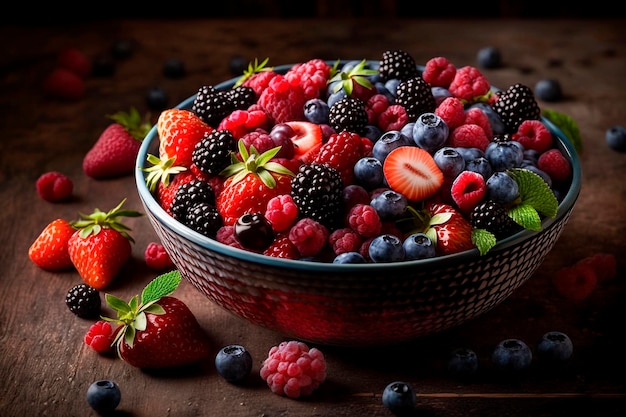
point(348, 114)
point(515, 105)
point(493, 217)
point(317, 190)
point(84, 301)
point(212, 153)
point(416, 96)
point(398, 65)
point(190, 194)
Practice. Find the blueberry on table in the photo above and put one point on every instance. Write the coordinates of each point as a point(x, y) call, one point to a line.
point(489, 57)
point(555, 347)
point(548, 90)
point(399, 398)
point(104, 396)
point(616, 138)
point(157, 98)
point(174, 68)
point(233, 363)
point(463, 362)
point(512, 355)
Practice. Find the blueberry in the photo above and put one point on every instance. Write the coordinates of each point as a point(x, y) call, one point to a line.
point(381, 88)
point(504, 155)
point(555, 347)
point(548, 90)
point(388, 142)
point(368, 172)
point(480, 165)
point(512, 355)
point(407, 130)
point(399, 398)
point(349, 258)
point(440, 94)
point(372, 132)
point(497, 125)
point(430, 132)
point(463, 362)
point(233, 363)
point(334, 97)
point(389, 204)
point(449, 161)
point(156, 98)
point(392, 86)
point(386, 248)
point(174, 68)
point(616, 138)
point(501, 188)
point(418, 246)
point(316, 111)
point(104, 396)
point(531, 156)
point(542, 174)
point(469, 153)
point(103, 66)
point(489, 57)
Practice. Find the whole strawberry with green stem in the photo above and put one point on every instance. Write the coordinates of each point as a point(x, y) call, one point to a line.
point(158, 330)
point(101, 245)
point(115, 152)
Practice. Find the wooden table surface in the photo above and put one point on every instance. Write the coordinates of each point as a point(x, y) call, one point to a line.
point(45, 368)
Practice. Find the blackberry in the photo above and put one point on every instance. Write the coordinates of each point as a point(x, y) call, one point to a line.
point(241, 97)
point(348, 114)
point(416, 96)
point(84, 301)
point(493, 217)
point(204, 218)
point(211, 105)
point(398, 65)
point(188, 195)
point(212, 153)
point(317, 190)
point(515, 105)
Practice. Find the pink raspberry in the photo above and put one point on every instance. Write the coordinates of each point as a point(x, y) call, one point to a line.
point(282, 247)
point(533, 134)
point(375, 105)
point(469, 83)
point(468, 136)
point(260, 139)
point(439, 72)
point(293, 370)
point(309, 236)
point(54, 186)
point(100, 336)
point(226, 235)
point(604, 265)
point(281, 211)
point(475, 116)
point(312, 76)
point(554, 163)
point(364, 219)
point(393, 118)
point(344, 240)
point(283, 100)
point(452, 111)
point(468, 189)
point(157, 258)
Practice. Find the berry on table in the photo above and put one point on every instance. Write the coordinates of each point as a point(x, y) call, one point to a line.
point(233, 363)
point(616, 138)
point(64, 84)
point(104, 396)
point(174, 68)
point(84, 301)
point(512, 355)
point(100, 337)
point(555, 347)
point(399, 398)
point(489, 57)
point(576, 282)
point(463, 363)
point(157, 257)
point(74, 60)
point(157, 98)
point(548, 90)
point(54, 186)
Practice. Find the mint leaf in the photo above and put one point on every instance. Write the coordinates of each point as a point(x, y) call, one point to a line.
point(526, 216)
point(567, 125)
point(535, 192)
point(161, 286)
point(483, 239)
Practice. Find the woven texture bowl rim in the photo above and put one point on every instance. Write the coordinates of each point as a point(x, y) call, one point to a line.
point(150, 143)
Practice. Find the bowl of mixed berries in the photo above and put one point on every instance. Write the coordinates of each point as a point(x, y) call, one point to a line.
point(360, 202)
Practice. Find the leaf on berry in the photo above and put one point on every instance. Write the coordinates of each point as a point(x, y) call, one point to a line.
point(163, 285)
point(526, 216)
point(483, 239)
point(535, 192)
point(567, 125)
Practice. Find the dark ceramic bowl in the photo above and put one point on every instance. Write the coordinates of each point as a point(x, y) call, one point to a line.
point(355, 304)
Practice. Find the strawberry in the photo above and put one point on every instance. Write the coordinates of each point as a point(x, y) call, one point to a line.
point(179, 130)
point(307, 140)
point(158, 330)
point(63, 84)
point(449, 229)
point(413, 172)
point(101, 245)
point(50, 249)
point(115, 152)
point(251, 184)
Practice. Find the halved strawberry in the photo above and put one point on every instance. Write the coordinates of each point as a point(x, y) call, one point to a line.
point(307, 140)
point(412, 172)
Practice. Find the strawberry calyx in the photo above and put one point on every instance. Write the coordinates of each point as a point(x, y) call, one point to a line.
point(133, 123)
point(92, 224)
point(252, 162)
point(162, 170)
point(357, 74)
point(131, 316)
point(253, 68)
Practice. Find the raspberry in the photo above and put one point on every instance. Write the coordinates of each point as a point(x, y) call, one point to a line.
point(281, 211)
point(393, 118)
point(54, 186)
point(452, 112)
point(75, 61)
point(439, 72)
point(260, 139)
point(312, 76)
point(341, 152)
point(603, 264)
point(293, 370)
point(469, 83)
point(100, 336)
point(376, 104)
point(283, 100)
point(157, 258)
point(308, 236)
point(575, 282)
point(345, 240)
point(554, 163)
point(63, 84)
point(226, 235)
point(468, 189)
point(240, 122)
point(282, 247)
point(533, 134)
point(364, 219)
point(468, 136)
point(478, 117)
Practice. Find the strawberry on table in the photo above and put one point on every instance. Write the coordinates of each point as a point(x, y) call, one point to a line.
point(115, 152)
point(179, 130)
point(50, 249)
point(100, 246)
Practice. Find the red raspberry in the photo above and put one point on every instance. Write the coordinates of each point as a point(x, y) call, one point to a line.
point(312, 76)
point(63, 84)
point(308, 236)
point(100, 336)
point(533, 134)
point(604, 265)
point(364, 250)
point(281, 211)
point(54, 186)
point(468, 136)
point(293, 370)
point(74, 60)
point(364, 219)
point(393, 118)
point(157, 258)
point(260, 139)
point(452, 111)
point(344, 240)
point(283, 100)
point(376, 104)
point(468, 189)
point(553, 163)
point(575, 282)
point(240, 122)
point(341, 152)
point(439, 72)
point(259, 81)
point(226, 235)
point(475, 116)
point(469, 83)
point(282, 247)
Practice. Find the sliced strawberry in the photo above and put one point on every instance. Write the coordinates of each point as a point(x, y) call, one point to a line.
point(412, 172)
point(307, 140)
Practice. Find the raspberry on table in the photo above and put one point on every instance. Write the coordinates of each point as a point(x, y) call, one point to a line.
point(54, 186)
point(100, 336)
point(575, 282)
point(603, 264)
point(157, 258)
